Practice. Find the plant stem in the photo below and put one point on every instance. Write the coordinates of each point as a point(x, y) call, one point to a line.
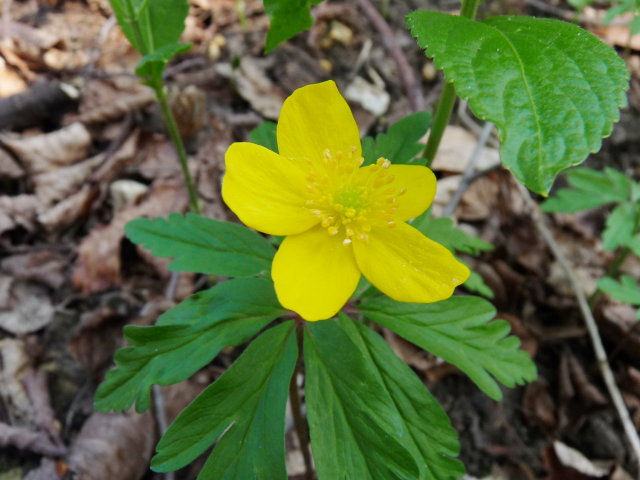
point(612, 271)
point(174, 133)
point(298, 419)
point(447, 98)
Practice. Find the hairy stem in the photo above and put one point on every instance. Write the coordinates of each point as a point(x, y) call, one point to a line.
point(447, 98)
point(298, 419)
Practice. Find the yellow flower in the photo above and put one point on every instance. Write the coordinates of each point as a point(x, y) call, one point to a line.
point(341, 220)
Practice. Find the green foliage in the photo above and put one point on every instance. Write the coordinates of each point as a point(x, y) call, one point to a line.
point(461, 331)
point(265, 135)
point(621, 228)
point(151, 24)
point(288, 18)
point(552, 89)
point(356, 429)
point(591, 189)
point(246, 408)
point(443, 231)
point(185, 339)
point(626, 290)
point(152, 65)
point(203, 245)
point(401, 142)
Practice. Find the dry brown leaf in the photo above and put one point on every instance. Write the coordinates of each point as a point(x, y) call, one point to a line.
point(41, 153)
point(113, 446)
point(18, 211)
point(14, 365)
point(64, 213)
point(98, 264)
point(538, 405)
point(57, 184)
point(48, 470)
point(8, 166)
point(456, 147)
point(25, 307)
point(10, 82)
point(44, 266)
point(25, 439)
point(114, 107)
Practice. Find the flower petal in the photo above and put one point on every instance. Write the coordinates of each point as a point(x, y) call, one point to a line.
point(420, 184)
point(314, 274)
point(266, 190)
point(315, 118)
point(407, 266)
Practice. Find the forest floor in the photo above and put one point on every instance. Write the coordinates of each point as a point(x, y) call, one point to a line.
point(82, 152)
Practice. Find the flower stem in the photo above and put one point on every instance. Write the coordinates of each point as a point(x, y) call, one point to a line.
point(176, 139)
point(298, 419)
point(447, 98)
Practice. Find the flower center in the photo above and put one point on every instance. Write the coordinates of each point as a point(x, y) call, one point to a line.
point(349, 200)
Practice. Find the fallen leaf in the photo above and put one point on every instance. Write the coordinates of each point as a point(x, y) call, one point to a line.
point(8, 166)
point(65, 212)
point(14, 364)
point(57, 184)
point(46, 267)
point(26, 308)
point(373, 98)
point(456, 147)
point(18, 211)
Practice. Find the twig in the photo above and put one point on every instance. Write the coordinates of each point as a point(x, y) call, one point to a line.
point(598, 347)
point(298, 420)
point(468, 175)
point(406, 73)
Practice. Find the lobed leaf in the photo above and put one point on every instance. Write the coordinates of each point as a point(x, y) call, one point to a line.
point(552, 88)
point(185, 339)
point(244, 410)
point(626, 290)
point(620, 228)
point(356, 430)
point(401, 143)
point(461, 331)
point(203, 245)
point(265, 135)
point(591, 189)
point(288, 18)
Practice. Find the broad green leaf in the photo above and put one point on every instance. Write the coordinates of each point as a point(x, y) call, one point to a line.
point(401, 142)
point(433, 441)
point(152, 65)
point(288, 18)
point(443, 231)
point(265, 135)
point(356, 430)
point(552, 88)
point(591, 189)
point(244, 410)
point(160, 22)
point(627, 290)
point(203, 245)
point(185, 339)
point(461, 330)
point(620, 227)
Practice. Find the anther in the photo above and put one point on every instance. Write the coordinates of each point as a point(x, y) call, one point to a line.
point(383, 162)
point(327, 222)
point(346, 241)
point(332, 231)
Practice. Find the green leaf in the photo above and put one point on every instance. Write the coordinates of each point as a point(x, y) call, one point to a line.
point(433, 442)
point(634, 25)
point(288, 18)
point(356, 430)
point(265, 135)
point(203, 245)
point(552, 88)
point(620, 226)
point(185, 339)
point(443, 231)
point(475, 283)
point(591, 189)
point(246, 408)
point(461, 331)
point(626, 290)
point(160, 22)
point(152, 66)
point(401, 143)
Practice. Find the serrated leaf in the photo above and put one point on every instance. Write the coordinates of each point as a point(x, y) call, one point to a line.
point(627, 290)
point(552, 89)
point(151, 67)
point(244, 410)
point(461, 330)
point(401, 143)
point(620, 226)
point(185, 339)
point(475, 283)
point(433, 441)
point(161, 22)
point(443, 231)
point(356, 431)
point(203, 245)
point(591, 189)
point(288, 18)
point(265, 135)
